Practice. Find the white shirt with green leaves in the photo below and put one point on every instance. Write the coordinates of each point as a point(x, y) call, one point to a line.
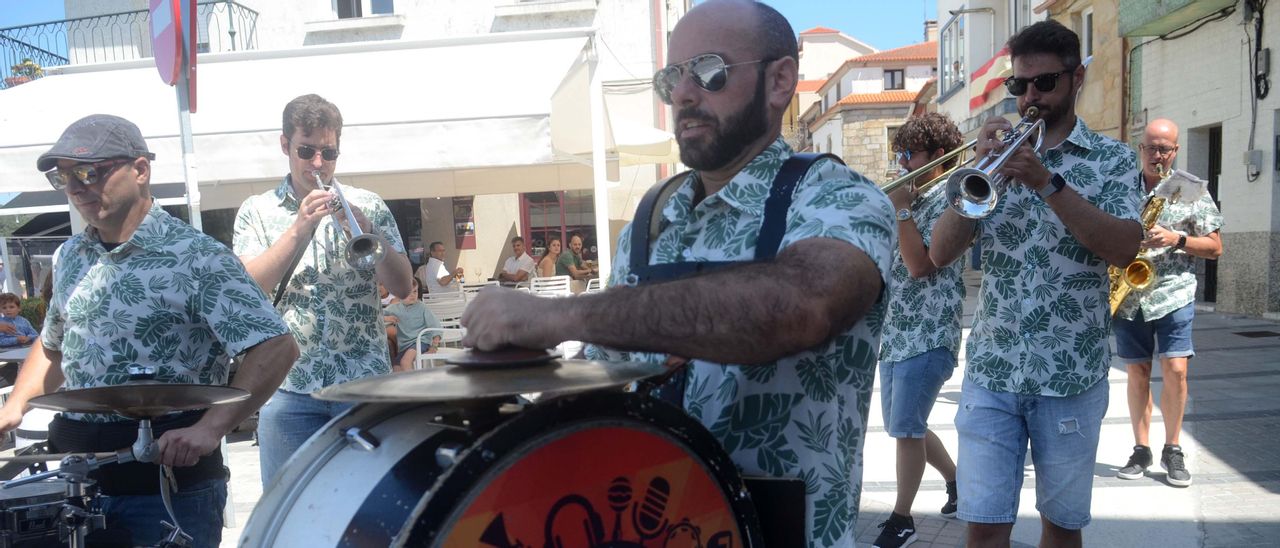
point(1175, 285)
point(332, 309)
point(1043, 322)
point(923, 313)
point(170, 298)
point(803, 416)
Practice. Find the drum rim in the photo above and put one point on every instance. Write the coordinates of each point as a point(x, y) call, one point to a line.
point(457, 484)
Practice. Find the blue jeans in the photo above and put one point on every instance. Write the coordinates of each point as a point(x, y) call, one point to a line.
point(198, 509)
point(908, 389)
point(994, 429)
point(1169, 336)
point(285, 422)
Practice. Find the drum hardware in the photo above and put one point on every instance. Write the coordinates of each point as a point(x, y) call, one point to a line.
point(361, 439)
point(447, 454)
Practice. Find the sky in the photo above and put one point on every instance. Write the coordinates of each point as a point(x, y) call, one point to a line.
point(25, 12)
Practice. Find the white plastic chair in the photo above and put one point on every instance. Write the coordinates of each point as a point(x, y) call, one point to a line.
point(470, 290)
point(594, 285)
point(448, 311)
point(553, 286)
point(448, 335)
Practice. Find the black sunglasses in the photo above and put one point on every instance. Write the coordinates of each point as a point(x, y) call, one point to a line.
point(1044, 83)
point(307, 152)
point(709, 72)
point(87, 174)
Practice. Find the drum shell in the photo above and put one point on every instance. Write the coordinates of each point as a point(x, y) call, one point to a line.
point(334, 493)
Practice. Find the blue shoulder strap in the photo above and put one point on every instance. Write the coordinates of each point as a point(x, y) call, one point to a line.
point(648, 223)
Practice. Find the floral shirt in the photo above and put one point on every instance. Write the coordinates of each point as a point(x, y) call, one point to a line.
point(170, 298)
point(332, 309)
point(923, 313)
point(1175, 285)
point(804, 416)
point(1042, 321)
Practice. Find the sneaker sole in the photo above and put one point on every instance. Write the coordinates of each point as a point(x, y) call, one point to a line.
point(1175, 482)
point(1127, 476)
point(946, 515)
point(911, 539)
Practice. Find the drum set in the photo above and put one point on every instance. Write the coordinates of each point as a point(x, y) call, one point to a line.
point(459, 456)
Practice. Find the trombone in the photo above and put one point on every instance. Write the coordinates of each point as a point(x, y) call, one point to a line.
point(364, 251)
point(925, 169)
point(974, 191)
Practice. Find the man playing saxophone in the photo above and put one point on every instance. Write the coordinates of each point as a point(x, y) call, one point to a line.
point(1157, 320)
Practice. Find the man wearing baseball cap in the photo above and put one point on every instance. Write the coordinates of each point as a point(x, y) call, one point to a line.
point(140, 294)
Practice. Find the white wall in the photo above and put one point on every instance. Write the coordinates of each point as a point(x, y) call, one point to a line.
point(822, 54)
point(833, 129)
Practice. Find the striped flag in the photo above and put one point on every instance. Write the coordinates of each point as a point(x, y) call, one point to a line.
point(987, 83)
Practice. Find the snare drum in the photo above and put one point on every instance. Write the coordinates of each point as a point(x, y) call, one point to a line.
point(29, 514)
point(595, 469)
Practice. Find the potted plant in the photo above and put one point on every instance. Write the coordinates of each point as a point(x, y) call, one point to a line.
point(23, 72)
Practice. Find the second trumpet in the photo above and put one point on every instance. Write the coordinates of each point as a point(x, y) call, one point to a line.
point(975, 191)
point(364, 251)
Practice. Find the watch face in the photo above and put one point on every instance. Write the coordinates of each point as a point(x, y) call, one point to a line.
point(904, 214)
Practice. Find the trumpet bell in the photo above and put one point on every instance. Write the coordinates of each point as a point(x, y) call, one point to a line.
point(971, 193)
point(365, 251)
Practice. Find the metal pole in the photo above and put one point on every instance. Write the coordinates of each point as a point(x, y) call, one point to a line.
point(184, 127)
point(604, 255)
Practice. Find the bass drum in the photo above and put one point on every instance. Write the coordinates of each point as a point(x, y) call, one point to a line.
point(592, 470)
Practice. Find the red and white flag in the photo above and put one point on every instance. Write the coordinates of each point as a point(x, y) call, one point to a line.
point(986, 85)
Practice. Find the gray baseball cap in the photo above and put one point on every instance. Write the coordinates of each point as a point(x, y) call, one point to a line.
point(95, 138)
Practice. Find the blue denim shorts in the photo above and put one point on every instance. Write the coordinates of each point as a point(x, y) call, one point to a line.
point(908, 389)
point(994, 430)
point(1137, 340)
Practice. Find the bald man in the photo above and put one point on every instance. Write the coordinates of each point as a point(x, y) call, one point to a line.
point(782, 350)
point(1157, 321)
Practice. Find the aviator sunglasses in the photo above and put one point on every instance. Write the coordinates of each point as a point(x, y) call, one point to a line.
point(1044, 83)
point(307, 152)
point(709, 72)
point(87, 174)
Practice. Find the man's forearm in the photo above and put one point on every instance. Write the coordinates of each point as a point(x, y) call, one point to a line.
point(756, 313)
point(1114, 240)
point(40, 374)
point(952, 235)
point(263, 369)
point(395, 273)
point(915, 255)
point(269, 268)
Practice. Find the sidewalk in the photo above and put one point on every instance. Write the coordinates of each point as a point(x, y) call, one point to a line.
point(1231, 434)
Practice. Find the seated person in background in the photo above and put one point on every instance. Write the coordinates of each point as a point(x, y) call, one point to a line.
point(409, 317)
point(386, 297)
point(519, 266)
point(548, 266)
point(570, 264)
point(14, 329)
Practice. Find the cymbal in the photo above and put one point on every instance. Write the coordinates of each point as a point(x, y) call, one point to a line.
point(139, 400)
point(453, 383)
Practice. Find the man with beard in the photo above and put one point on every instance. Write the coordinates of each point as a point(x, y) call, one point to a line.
point(782, 351)
point(1038, 354)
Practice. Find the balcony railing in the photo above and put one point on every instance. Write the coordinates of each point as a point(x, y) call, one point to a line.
point(222, 25)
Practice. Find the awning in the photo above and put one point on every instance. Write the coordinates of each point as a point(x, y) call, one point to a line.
point(469, 103)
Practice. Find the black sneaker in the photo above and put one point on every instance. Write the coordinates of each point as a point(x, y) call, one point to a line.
point(1174, 463)
point(1138, 463)
point(898, 531)
point(949, 509)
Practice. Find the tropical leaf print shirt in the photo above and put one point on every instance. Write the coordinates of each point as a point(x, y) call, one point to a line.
point(1042, 321)
point(924, 313)
point(332, 309)
point(170, 298)
point(1175, 285)
point(803, 416)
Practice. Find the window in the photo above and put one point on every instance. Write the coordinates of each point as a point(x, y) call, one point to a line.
point(348, 9)
point(1019, 15)
point(546, 215)
point(1086, 33)
point(830, 145)
point(890, 133)
point(951, 58)
point(893, 79)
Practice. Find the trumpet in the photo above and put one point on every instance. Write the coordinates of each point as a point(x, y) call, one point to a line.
point(924, 169)
point(975, 191)
point(364, 251)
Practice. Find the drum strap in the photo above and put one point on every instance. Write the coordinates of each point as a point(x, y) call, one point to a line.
point(134, 478)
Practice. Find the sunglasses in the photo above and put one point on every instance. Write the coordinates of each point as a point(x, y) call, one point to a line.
point(903, 156)
point(307, 152)
point(87, 174)
point(709, 72)
point(1044, 83)
point(1157, 150)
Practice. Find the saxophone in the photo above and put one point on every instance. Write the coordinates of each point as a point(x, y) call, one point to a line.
point(1141, 272)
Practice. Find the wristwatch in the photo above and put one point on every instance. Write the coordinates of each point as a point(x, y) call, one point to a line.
point(904, 214)
point(1182, 242)
point(1055, 184)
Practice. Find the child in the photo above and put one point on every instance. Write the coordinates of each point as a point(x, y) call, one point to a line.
point(14, 329)
point(410, 317)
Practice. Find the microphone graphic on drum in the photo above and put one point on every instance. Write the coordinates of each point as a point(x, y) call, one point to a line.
point(647, 516)
point(619, 500)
